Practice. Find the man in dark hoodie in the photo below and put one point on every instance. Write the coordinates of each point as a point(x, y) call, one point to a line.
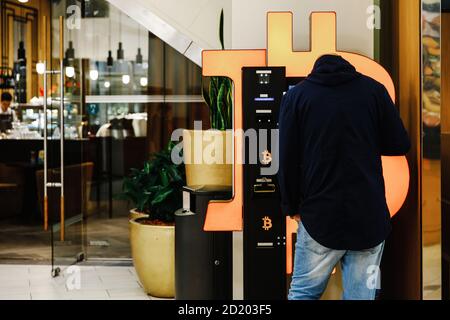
point(334, 128)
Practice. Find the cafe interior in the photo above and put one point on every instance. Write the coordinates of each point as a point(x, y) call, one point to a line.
point(124, 91)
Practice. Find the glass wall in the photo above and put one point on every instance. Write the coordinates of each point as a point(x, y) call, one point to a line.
point(134, 91)
point(445, 147)
point(431, 163)
point(128, 68)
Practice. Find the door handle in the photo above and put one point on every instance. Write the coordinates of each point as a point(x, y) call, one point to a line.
point(61, 125)
point(44, 24)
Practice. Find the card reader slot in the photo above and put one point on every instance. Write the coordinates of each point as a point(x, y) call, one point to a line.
point(264, 188)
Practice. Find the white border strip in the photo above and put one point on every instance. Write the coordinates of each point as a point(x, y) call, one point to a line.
point(265, 244)
point(145, 99)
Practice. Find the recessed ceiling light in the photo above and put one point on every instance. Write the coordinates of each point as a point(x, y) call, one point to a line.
point(23, 1)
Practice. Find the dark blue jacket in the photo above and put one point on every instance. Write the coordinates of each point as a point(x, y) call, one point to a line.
point(334, 127)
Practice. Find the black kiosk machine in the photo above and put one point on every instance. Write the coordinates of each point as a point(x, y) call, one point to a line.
point(242, 248)
point(264, 231)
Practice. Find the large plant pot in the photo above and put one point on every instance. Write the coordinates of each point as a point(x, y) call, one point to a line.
point(153, 252)
point(208, 157)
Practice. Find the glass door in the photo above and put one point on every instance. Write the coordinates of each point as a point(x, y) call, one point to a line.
point(65, 171)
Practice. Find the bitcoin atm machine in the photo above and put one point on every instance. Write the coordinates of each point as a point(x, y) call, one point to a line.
point(264, 232)
point(262, 237)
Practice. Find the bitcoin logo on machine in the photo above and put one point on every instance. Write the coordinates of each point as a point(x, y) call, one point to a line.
point(267, 223)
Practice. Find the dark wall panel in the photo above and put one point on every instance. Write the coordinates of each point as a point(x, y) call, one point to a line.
point(400, 46)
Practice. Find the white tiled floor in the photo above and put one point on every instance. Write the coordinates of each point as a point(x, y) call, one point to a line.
point(432, 272)
point(34, 282)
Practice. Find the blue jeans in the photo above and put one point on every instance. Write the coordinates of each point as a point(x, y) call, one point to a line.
point(314, 263)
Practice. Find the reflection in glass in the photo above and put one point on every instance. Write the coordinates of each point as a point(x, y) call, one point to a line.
point(136, 92)
point(431, 115)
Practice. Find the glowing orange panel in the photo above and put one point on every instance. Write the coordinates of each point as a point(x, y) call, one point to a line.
point(227, 215)
point(323, 41)
point(396, 180)
point(291, 228)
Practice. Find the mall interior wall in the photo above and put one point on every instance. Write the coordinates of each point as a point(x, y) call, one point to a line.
point(249, 23)
point(401, 55)
point(187, 26)
point(196, 21)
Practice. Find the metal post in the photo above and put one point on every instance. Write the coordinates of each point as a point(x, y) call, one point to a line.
point(61, 117)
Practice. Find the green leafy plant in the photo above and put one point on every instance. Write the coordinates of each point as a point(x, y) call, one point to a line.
point(156, 189)
point(219, 95)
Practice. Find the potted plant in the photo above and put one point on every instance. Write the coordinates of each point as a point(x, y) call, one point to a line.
point(155, 191)
point(217, 142)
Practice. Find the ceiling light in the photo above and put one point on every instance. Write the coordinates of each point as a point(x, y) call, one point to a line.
point(139, 58)
point(70, 52)
point(70, 72)
point(110, 60)
point(40, 67)
point(107, 84)
point(144, 81)
point(120, 53)
point(93, 74)
point(125, 79)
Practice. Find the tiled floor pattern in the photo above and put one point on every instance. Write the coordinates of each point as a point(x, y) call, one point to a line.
point(432, 272)
point(34, 282)
point(20, 240)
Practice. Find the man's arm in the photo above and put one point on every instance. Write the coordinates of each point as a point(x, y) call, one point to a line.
point(289, 169)
point(394, 138)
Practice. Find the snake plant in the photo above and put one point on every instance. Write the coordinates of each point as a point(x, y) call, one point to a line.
point(219, 95)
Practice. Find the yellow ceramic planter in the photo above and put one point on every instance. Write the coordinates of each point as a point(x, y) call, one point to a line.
point(153, 252)
point(208, 157)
